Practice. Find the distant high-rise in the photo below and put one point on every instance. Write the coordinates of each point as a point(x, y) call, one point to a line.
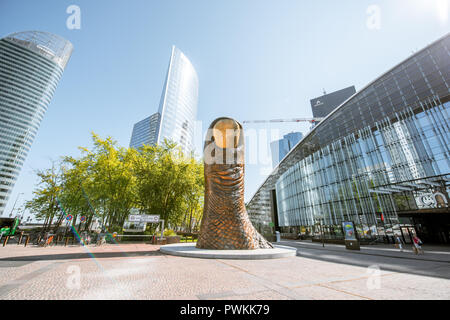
point(145, 131)
point(280, 148)
point(177, 108)
point(322, 106)
point(31, 64)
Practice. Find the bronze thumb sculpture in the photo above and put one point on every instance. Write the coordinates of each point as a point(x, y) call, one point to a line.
point(225, 223)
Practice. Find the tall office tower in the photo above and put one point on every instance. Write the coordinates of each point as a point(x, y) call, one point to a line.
point(145, 132)
point(178, 105)
point(31, 64)
point(177, 112)
point(322, 106)
point(280, 148)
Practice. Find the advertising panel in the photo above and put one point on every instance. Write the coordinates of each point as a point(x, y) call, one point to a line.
point(349, 230)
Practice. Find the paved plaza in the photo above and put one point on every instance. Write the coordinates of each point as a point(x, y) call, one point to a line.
point(141, 271)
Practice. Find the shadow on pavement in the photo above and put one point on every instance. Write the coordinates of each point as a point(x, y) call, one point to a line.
point(411, 266)
point(74, 256)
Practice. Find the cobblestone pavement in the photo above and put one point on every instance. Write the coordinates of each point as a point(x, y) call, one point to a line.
point(140, 271)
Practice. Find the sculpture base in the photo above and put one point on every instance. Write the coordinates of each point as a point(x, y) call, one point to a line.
point(189, 250)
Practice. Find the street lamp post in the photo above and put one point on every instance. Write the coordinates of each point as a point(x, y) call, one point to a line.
point(320, 217)
point(321, 231)
point(12, 210)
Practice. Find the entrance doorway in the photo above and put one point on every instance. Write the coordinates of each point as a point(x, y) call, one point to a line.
point(430, 225)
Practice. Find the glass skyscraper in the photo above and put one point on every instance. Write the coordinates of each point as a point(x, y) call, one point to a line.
point(31, 64)
point(280, 148)
point(177, 109)
point(380, 160)
point(145, 132)
point(178, 106)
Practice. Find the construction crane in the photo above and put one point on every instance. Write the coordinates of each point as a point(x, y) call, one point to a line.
point(311, 120)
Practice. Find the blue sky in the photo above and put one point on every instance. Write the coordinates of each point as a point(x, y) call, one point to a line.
point(256, 59)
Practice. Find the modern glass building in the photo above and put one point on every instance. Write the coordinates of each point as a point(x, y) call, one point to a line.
point(145, 132)
point(178, 106)
point(31, 64)
point(280, 148)
point(177, 109)
point(380, 160)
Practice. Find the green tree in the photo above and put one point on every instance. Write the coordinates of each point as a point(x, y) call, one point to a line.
point(73, 196)
point(105, 180)
point(44, 203)
point(108, 181)
point(167, 182)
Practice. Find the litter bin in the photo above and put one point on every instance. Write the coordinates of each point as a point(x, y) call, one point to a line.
point(277, 233)
point(352, 245)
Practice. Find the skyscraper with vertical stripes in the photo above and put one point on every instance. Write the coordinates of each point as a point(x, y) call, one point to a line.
point(31, 65)
point(175, 119)
point(178, 105)
point(145, 132)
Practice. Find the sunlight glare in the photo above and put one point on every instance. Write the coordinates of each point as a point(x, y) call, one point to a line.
point(442, 7)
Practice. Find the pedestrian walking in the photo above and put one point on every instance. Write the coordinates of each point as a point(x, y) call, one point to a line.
point(101, 239)
point(399, 242)
point(417, 245)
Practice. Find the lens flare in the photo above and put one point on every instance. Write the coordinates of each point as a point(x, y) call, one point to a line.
point(442, 8)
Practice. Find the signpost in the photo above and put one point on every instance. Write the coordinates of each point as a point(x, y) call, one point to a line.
point(148, 219)
point(143, 218)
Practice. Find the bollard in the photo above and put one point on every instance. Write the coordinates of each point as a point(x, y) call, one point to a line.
point(20, 238)
point(65, 242)
point(28, 239)
point(5, 242)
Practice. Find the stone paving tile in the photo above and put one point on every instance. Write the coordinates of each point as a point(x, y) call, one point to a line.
point(140, 272)
point(25, 278)
point(198, 277)
point(12, 273)
point(398, 287)
point(322, 292)
point(260, 295)
point(300, 271)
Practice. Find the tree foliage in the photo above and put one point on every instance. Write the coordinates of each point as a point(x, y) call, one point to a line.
point(44, 203)
point(109, 181)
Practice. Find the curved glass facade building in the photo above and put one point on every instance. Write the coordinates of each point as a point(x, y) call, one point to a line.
point(380, 160)
point(31, 64)
point(178, 106)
